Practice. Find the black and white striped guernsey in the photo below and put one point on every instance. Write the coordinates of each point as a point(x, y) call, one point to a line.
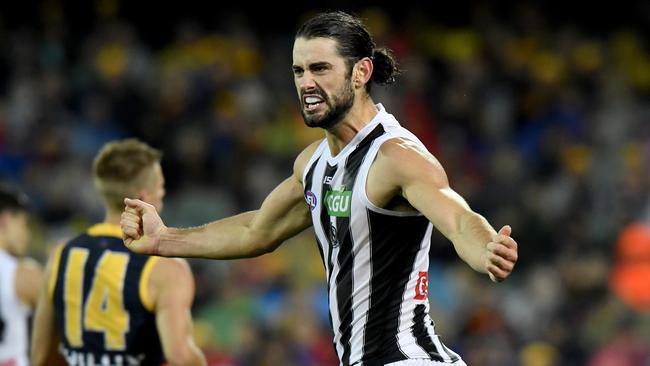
point(376, 260)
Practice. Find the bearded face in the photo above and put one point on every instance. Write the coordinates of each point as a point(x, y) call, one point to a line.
point(320, 110)
point(323, 82)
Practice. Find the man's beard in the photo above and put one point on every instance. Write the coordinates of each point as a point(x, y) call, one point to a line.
point(337, 108)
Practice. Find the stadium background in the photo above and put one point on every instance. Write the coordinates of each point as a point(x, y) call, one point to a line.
point(539, 112)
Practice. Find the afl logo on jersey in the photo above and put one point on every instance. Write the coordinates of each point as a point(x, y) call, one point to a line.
point(310, 197)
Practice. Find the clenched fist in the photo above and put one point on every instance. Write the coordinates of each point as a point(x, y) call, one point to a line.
point(141, 227)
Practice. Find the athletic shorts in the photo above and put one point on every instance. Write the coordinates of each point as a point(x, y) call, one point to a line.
point(426, 363)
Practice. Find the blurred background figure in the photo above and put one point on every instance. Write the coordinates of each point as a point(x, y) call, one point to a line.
point(20, 279)
point(102, 302)
point(543, 104)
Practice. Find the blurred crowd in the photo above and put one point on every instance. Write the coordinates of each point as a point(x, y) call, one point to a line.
point(545, 128)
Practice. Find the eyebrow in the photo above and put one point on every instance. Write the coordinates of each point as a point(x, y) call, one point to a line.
point(319, 64)
point(314, 65)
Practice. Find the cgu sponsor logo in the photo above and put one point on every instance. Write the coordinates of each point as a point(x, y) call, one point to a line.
point(338, 203)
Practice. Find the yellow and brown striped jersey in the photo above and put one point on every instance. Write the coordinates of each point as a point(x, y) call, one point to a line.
point(101, 304)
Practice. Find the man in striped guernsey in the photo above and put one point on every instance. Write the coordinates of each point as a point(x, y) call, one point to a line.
point(372, 193)
point(104, 305)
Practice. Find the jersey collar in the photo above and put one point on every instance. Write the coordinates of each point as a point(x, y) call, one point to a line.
point(105, 229)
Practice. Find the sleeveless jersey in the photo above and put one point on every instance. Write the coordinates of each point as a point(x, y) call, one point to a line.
point(13, 316)
point(376, 260)
point(102, 311)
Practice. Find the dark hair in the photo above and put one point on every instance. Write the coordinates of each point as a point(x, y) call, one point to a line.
point(12, 200)
point(354, 43)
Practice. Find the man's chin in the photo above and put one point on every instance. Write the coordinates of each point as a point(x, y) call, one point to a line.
point(313, 120)
point(313, 124)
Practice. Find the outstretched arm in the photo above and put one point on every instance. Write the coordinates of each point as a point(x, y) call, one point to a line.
point(282, 215)
point(420, 178)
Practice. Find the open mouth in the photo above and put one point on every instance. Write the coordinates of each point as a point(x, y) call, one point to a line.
point(312, 103)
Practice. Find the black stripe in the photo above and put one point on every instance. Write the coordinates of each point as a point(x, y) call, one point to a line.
point(310, 175)
point(394, 245)
point(449, 353)
point(422, 337)
point(307, 185)
point(344, 279)
point(354, 160)
point(325, 218)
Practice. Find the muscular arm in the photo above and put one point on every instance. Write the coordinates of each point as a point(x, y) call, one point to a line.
point(418, 177)
point(45, 337)
point(282, 215)
point(171, 286)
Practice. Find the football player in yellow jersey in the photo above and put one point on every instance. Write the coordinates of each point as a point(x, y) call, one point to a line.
point(104, 305)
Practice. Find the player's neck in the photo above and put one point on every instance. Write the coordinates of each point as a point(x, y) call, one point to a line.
point(112, 218)
point(363, 111)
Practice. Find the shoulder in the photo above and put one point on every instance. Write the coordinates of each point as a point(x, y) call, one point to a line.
point(165, 269)
point(170, 275)
point(30, 266)
point(303, 158)
point(407, 159)
point(29, 279)
point(29, 273)
point(404, 153)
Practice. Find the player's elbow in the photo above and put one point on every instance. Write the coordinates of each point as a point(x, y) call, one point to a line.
point(260, 244)
point(185, 355)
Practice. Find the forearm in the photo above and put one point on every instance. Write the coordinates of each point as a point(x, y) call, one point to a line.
point(190, 355)
point(228, 238)
point(471, 239)
point(45, 341)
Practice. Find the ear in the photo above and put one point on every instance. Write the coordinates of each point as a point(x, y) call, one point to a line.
point(362, 72)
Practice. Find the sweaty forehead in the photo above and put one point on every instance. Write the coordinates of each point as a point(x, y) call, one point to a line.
point(312, 50)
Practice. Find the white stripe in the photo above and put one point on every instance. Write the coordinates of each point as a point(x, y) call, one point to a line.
point(407, 343)
point(360, 231)
point(317, 154)
point(334, 305)
point(436, 341)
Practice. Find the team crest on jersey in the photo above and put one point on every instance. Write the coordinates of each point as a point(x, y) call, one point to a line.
point(338, 203)
point(310, 198)
point(334, 237)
